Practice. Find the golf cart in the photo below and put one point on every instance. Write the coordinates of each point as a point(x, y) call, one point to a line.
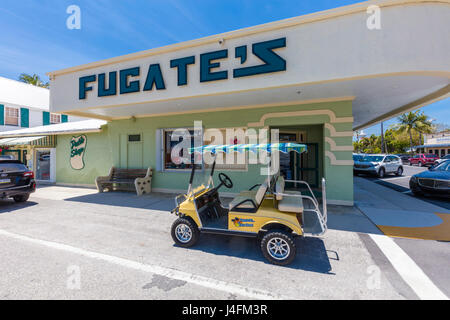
point(266, 211)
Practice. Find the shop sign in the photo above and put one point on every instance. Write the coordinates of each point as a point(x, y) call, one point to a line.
point(77, 151)
point(120, 82)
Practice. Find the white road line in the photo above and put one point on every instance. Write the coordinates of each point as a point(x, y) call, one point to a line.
point(395, 178)
point(162, 271)
point(408, 269)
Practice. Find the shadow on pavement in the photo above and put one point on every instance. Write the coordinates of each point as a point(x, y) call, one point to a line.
point(351, 219)
point(311, 253)
point(8, 205)
point(441, 201)
point(154, 201)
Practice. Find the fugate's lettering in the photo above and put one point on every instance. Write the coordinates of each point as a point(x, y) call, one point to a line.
point(210, 63)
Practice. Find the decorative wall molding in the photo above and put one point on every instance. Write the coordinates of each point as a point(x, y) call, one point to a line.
point(335, 162)
point(329, 113)
point(335, 147)
point(334, 133)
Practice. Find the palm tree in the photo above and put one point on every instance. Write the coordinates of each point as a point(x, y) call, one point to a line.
point(34, 80)
point(413, 121)
point(425, 125)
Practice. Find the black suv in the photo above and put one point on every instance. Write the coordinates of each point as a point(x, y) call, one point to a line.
point(16, 180)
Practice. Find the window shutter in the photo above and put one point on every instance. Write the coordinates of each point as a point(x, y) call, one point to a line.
point(46, 118)
point(2, 115)
point(24, 117)
point(64, 118)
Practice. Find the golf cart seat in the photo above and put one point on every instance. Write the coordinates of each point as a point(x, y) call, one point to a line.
point(288, 201)
point(249, 201)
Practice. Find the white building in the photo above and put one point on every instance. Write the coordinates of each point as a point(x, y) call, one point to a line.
point(24, 106)
point(437, 143)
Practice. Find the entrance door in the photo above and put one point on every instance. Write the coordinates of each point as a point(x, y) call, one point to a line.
point(43, 165)
point(308, 165)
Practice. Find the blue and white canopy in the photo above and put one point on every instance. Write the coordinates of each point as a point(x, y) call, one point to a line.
point(267, 147)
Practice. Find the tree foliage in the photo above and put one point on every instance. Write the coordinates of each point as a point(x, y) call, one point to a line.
point(34, 79)
point(400, 137)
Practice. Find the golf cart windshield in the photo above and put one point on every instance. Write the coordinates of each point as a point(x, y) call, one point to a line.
point(202, 179)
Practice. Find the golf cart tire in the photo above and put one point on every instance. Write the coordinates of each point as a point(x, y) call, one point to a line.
point(288, 239)
point(194, 230)
point(21, 198)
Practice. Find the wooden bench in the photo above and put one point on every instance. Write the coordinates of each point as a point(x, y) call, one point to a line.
point(139, 180)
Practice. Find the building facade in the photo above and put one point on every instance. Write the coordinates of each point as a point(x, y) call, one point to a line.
point(437, 143)
point(24, 106)
point(315, 78)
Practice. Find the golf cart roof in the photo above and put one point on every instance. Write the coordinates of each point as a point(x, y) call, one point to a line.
point(267, 147)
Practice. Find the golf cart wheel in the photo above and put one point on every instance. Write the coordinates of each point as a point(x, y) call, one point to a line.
point(399, 172)
point(381, 173)
point(278, 248)
point(21, 198)
point(185, 232)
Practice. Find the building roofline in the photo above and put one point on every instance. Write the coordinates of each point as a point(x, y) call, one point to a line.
point(276, 25)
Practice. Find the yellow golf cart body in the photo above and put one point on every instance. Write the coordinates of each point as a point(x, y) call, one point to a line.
point(266, 211)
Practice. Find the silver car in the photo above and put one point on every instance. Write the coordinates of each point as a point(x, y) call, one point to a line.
point(377, 164)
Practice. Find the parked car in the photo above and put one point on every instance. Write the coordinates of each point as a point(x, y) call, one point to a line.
point(423, 159)
point(378, 164)
point(439, 161)
point(16, 180)
point(435, 181)
point(404, 157)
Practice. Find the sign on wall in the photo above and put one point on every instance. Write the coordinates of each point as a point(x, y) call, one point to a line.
point(120, 82)
point(77, 151)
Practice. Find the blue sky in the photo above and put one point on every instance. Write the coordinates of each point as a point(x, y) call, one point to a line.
point(35, 39)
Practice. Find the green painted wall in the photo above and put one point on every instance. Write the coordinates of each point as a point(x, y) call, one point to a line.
point(97, 159)
point(111, 148)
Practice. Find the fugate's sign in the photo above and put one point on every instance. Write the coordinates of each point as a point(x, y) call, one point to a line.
point(154, 79)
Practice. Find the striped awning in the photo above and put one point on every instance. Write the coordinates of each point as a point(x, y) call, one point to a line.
point(44, 141)
point(267, 147)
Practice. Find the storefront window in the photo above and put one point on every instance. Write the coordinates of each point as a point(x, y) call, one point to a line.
point(172, 159)
point(232, 161)
point(11, 116)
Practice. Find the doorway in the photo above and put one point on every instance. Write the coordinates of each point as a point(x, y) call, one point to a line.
point(43, 168)
point(305, 166)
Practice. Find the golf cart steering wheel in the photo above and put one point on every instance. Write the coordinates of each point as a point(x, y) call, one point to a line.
point(225, 180)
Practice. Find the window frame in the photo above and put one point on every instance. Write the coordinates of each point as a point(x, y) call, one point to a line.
point(163, 150)
point(55, 114)
point(5, 116)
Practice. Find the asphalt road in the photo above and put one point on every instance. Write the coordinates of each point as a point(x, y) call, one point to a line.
point(401, 184)
point(76, 244)
point(431, 256)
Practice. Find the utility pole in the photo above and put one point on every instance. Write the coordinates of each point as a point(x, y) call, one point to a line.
point(383, 149)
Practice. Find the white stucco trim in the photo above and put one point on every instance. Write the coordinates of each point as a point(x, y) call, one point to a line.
point(326, 112)
point(335, 147)
point(334, 133)
point(336, 162)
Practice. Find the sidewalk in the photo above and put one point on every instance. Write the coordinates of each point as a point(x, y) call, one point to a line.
point(400, 215)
